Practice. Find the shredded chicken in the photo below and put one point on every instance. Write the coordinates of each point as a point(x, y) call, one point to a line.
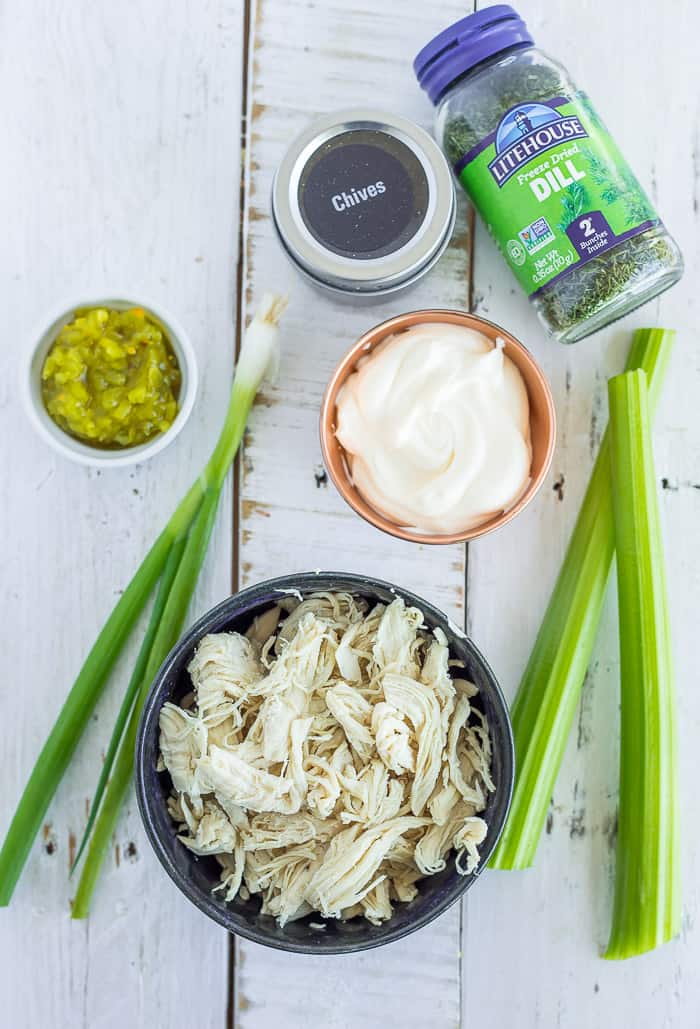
point(327, 759)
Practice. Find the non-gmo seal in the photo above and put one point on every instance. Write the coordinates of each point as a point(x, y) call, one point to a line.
point(516, 252)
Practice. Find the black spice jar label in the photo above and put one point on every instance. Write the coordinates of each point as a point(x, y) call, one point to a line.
point(363, 194)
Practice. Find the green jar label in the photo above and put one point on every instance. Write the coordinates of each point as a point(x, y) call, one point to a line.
point(553, 189)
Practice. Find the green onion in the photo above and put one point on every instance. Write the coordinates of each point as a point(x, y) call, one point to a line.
point(75, 713)
point(647, 907)
point(132, 689)
point(258, 359)
point(169, 628)
point(544, 707)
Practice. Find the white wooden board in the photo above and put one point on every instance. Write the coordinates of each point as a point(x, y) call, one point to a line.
point(121, 169)
point(546, 927)
point(307, 61)
point(120, 172)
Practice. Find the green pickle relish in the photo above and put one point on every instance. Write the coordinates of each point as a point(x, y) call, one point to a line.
point(111, 378)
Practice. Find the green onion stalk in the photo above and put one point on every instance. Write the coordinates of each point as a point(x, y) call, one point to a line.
point(137, 676)
point(544, 706)
point(647, 908)
point(176, 559)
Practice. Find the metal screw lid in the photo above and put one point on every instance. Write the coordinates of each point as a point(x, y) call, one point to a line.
point(363, 202)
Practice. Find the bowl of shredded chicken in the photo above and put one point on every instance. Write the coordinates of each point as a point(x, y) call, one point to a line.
point(324, 763)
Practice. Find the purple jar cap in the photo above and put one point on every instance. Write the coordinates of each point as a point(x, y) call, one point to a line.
point(465, 44)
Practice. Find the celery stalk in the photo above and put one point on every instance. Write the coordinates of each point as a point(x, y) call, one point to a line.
point(551, 685)
point(647, 908)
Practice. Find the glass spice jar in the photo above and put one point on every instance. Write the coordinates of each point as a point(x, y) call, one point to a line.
point(564, 207)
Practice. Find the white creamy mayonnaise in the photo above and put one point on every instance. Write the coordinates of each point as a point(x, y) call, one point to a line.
point(435, 424)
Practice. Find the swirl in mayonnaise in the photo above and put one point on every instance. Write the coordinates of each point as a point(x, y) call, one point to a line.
point(435, 425)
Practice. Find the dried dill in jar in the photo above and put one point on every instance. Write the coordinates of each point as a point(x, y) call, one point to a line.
point(566, 211)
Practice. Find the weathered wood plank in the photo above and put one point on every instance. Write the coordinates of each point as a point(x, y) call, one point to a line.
point(120, 172)
point(309, 60)
point(122, 161)
point(542, 931)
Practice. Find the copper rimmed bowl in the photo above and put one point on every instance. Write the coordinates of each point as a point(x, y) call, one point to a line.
point(542, 421)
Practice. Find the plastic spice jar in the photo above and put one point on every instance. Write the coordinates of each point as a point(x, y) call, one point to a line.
point(565, 209)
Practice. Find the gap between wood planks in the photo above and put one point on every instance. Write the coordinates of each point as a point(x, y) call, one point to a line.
point(239, 328)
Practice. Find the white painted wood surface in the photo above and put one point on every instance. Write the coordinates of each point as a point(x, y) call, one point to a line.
point(121, 168)
point(290, 521)
point(554, 920)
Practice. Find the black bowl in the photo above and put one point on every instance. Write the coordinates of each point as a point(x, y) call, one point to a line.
point(197, 875)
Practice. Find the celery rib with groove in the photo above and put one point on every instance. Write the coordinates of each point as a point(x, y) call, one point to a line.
point(258, 360)
point(544, 706)
point(647, 908)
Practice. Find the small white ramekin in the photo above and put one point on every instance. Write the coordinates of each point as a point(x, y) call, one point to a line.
point(72, 448)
